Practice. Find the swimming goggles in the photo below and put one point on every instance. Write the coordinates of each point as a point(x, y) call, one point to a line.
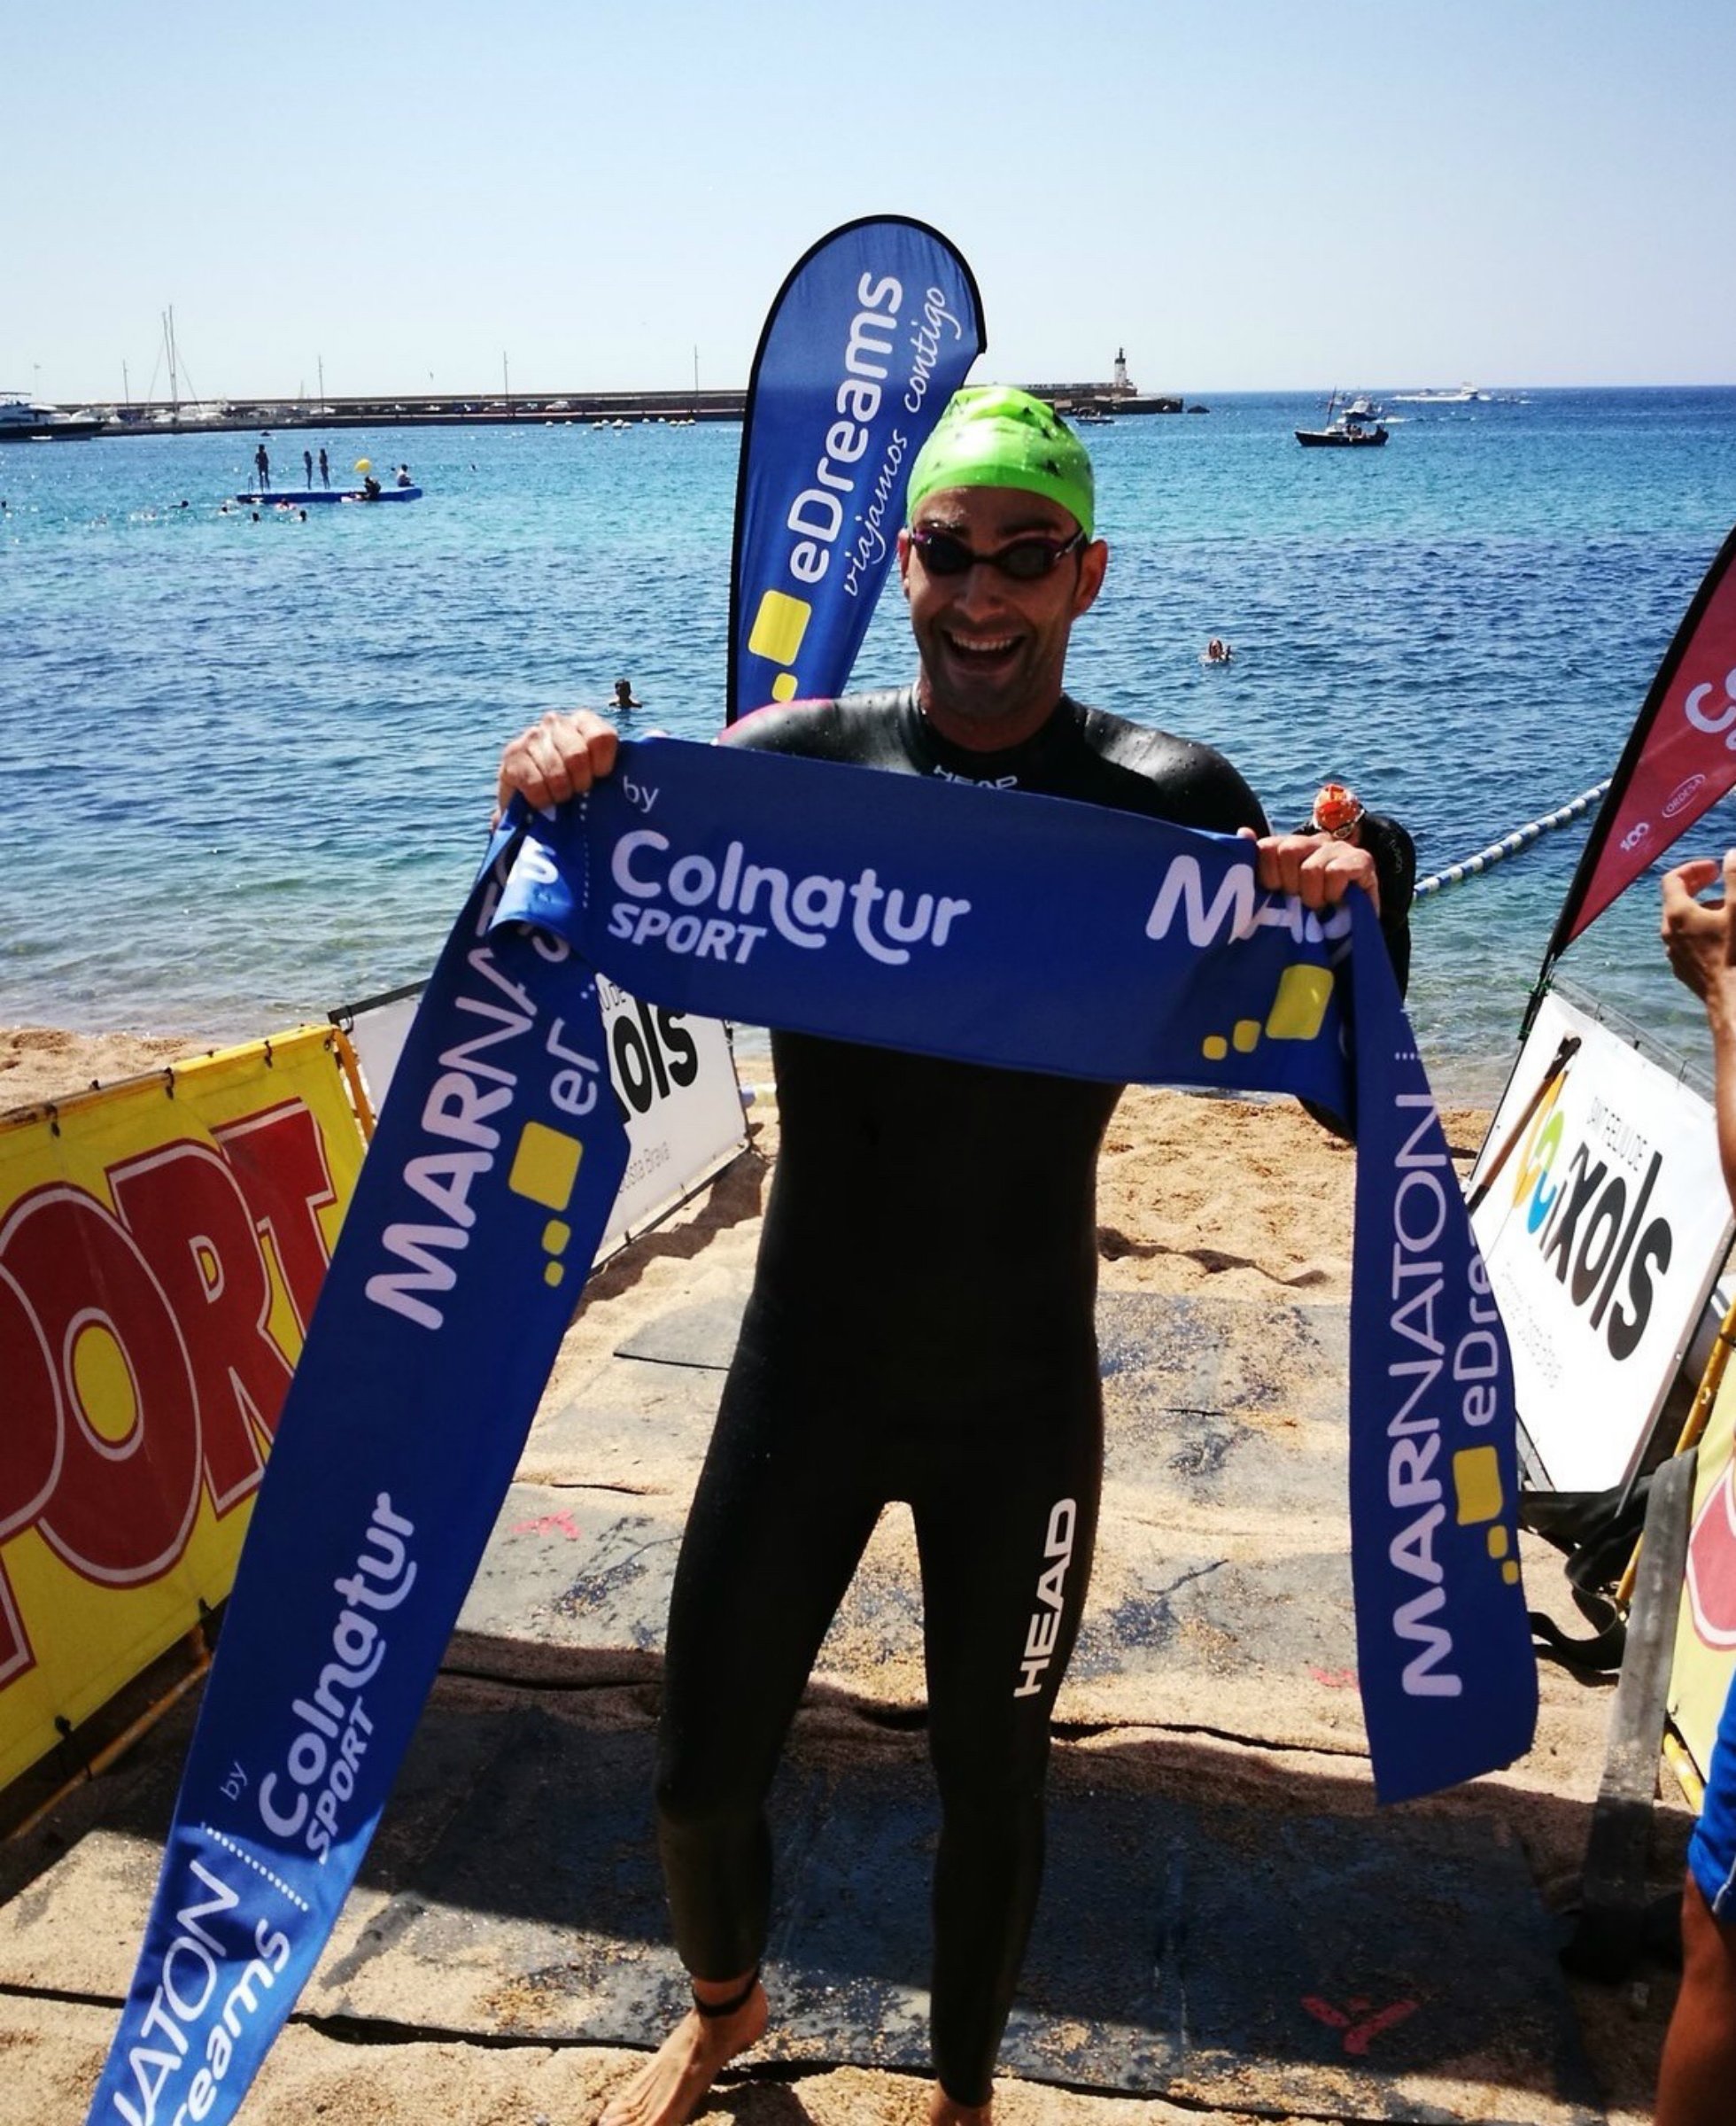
point(1025, 559)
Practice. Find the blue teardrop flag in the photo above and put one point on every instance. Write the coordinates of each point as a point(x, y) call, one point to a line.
point(875, 328)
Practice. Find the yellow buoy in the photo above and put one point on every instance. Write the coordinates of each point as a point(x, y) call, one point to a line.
point(364, 464)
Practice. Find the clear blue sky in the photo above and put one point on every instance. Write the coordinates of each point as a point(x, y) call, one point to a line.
point(1247, 194)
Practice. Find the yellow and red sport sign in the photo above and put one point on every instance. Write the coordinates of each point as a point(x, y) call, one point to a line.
point(161, 1245)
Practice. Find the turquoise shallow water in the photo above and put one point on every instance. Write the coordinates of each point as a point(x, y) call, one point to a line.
point(247, 767)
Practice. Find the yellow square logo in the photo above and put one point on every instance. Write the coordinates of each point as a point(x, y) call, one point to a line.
point(1299, 1006)
point(778, 627)
point(1477, 1478)
point(546, 1166)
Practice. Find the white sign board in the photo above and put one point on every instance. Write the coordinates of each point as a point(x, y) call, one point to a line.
point(377, 1033)
point(1602, 1233)
point(674, 1078)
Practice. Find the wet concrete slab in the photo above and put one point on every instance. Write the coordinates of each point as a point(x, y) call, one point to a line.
point(1291, 1953)
point(1201, 1347)
point(639, 1426)
point(700, 1334)
point(1289, 1958)
point(586, 1570)
point(1390, 1968)
point(1222, 1561)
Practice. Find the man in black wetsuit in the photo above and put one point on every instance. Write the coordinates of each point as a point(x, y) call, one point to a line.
point(921, 1322)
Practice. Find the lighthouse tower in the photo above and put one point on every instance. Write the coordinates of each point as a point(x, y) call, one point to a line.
point(1122, 387)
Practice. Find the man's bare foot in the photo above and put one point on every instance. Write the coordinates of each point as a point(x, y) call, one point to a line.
point(668, 2087)
point(944, 2112)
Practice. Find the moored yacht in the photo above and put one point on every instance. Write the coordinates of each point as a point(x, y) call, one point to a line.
point(20, 422)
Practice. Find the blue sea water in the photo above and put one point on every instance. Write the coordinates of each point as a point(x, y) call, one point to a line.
point(247, 765)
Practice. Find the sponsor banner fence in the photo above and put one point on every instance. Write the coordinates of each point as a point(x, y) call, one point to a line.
point(1705, 1653)
point(378, 1030)
point(161, 1243)
point(1603, 1232)
point(675, 1085)
point(674, 1078)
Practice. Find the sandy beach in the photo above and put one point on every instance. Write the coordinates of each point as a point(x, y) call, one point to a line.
point(1207, 1199)
point(1255, 1197)
point(39, 1063)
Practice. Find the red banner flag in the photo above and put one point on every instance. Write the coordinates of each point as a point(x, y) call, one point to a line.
point(1679, 759)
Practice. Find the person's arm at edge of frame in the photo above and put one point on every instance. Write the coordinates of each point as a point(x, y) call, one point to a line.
point(1700, 943)
point(1698, 2055)
point(1321, 868)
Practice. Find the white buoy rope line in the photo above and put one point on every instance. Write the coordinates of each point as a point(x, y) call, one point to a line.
point(1522, 837)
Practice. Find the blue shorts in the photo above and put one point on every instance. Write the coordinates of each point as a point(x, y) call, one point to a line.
point(1712, 1852)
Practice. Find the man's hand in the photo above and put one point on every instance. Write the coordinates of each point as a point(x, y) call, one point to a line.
point(1699, 936)
point(1701, 940)
point(1318, 869)
point(556, 758)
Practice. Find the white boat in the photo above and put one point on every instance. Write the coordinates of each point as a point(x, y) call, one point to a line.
point(20, 422)
point(1467, 394)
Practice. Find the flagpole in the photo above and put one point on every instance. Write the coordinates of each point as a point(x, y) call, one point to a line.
point(1564, 1056)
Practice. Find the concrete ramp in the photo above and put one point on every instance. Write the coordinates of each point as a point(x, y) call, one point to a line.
point(1222, 1595)
point(1234, 1930)
point(1390, 1968)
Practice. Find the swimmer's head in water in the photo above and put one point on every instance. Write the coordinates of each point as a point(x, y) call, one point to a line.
point(993, 436)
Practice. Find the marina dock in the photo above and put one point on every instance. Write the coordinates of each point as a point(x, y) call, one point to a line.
point(469, 409)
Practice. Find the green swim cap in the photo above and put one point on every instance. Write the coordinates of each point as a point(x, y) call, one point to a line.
point(992, 436)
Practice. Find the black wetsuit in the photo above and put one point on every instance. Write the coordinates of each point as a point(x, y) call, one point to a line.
point(920, 1329)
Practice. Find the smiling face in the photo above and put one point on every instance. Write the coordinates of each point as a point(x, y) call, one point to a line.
point(993, 650)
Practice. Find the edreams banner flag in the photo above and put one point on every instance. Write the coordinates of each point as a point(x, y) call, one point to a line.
point(1679, 759)
point(1014, 930)
point(870, 335)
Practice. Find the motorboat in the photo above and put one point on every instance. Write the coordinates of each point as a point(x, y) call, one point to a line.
point(1466, 394)
point(1357, 426)
point(20, 422)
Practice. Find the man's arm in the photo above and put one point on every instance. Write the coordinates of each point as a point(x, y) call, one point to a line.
point(560, 755)
point(1700, 941)
point(1321, 869)
point(1318, 869)
point(1338, 811)
point(1395, 865)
